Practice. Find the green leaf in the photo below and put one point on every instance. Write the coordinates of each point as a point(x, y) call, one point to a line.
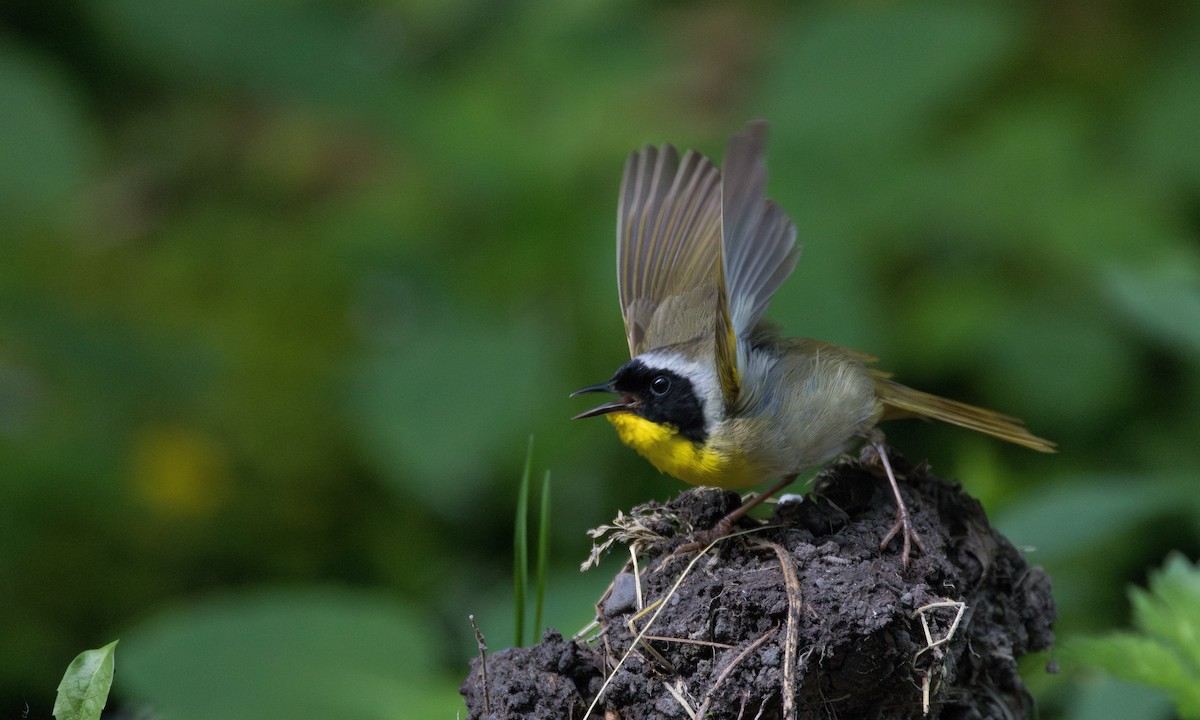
point(1141, 660)
point(306, 52)
point(1107, 698)
point(1171, 609)
point(287, 653)
point(869, 74)
point(1164, 301)
point(83, 691)
point(435, 412)
point(1056, 326)
point(46, 150)
point(1166, 112)
point(1071, 517)
point(1135, 657)
point(1165, 650)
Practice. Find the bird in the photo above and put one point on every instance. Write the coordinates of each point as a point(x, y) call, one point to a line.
point(713, 394)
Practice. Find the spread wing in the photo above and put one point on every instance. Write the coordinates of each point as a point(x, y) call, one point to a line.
point(758, 250)
point(668, 247)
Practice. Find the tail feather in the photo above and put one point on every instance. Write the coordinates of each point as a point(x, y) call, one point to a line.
point(902, 401)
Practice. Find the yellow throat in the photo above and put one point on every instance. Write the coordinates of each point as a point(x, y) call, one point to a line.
point(681, 456)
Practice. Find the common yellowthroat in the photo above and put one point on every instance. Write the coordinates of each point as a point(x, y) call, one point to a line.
point(712, 395)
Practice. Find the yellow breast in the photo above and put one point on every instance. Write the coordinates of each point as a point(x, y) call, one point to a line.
point(682, 457)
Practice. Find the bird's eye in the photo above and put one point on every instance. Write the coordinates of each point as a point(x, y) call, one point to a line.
point(660, 385)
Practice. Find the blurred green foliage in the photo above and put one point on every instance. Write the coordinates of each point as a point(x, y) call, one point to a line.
point(1165, 650)
point(285, 286)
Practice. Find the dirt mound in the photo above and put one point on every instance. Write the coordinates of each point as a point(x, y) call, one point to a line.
point(802, 618)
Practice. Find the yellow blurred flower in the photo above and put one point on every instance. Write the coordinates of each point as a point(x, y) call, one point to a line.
point(179, 471)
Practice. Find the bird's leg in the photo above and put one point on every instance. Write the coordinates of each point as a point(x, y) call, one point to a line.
point(903, 525)
point(725, 524)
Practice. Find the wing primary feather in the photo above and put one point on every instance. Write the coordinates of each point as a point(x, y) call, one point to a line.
point(668, 242)
point(642, 194)
point(759, 248)
point(686, 222)
point(662, 267)
point(666, 173)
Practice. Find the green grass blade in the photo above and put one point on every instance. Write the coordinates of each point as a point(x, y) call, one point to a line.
point(521, 548)
point(543, 554)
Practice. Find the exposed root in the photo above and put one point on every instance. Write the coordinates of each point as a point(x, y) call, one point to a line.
point(787, 565)
point(932, 646)
point(728, 670)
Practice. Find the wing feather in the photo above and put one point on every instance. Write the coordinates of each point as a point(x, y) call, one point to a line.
point(759, 249)
point(668, 245)
point(758, 252)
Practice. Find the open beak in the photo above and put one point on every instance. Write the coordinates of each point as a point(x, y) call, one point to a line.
point(625, 404)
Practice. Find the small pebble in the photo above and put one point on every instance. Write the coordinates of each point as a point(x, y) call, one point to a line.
point(623, 595)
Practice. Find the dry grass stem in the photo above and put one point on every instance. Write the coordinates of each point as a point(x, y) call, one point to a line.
point(687, 641)
point(677, 691)
point(487, 697)
point(728, 669)
point(659, 605)
point(632, 530)
point(637, 577)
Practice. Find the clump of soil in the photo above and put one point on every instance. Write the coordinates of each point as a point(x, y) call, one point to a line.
point(804, 617)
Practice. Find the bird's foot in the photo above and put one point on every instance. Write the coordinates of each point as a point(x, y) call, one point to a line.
point(724, 526)
point(903, 525)
point(908, 535)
